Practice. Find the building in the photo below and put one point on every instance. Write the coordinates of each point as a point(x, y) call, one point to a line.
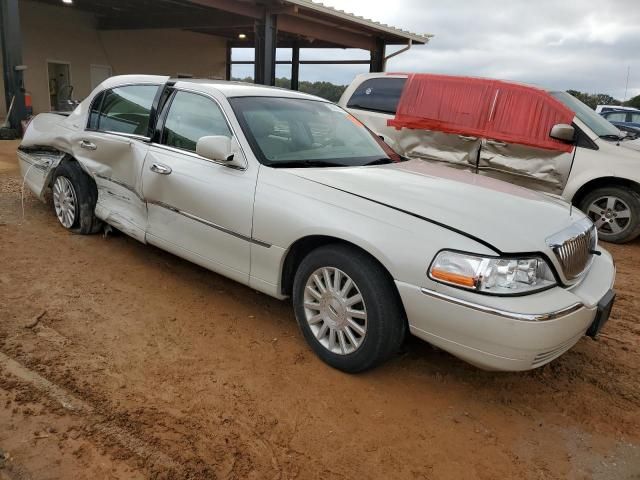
point(50, 44)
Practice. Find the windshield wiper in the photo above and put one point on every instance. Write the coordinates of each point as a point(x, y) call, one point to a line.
point(305, 164)
point(611, 137)
point(379, 161)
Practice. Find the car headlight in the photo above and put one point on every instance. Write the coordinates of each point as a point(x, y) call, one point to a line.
point(493, 275)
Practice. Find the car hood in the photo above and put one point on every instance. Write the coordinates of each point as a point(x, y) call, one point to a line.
point(507, 217)
point(631, 144)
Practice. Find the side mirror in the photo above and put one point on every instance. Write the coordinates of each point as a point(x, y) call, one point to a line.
point(217, 148)
point(563, 132)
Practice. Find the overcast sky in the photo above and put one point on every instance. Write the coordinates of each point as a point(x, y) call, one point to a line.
point(586, 45)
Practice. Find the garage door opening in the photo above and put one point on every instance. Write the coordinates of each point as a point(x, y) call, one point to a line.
point(59, 83)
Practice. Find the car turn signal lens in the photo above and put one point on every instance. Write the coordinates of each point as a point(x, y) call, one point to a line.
point(454, 278)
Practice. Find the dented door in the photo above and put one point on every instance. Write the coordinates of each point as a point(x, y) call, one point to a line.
point(531, 167)
point(517, 147)
point(115, 161)
point(113, 148)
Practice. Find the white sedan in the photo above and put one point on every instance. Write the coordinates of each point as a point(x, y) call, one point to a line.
point(291, 195)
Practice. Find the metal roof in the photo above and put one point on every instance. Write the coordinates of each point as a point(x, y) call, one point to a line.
point(364, 22)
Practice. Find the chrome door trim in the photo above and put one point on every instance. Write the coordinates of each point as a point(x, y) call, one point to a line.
point(199, 157)
point(527, 317)
point(209, 224)
point(121, 184)
point(160, 168)
point(227, 120)
point(87, 145)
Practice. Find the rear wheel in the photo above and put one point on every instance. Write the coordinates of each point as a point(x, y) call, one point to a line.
point(347, 308)
point(74, 199)
point(615, 211)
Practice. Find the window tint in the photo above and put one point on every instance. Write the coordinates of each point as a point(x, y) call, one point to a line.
point(127, 109)
point(95, 111)
point(617, 117)
point(378, 95)
point(191, 117)
point(635, 117)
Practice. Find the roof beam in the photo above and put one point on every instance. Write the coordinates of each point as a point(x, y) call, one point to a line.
point(174, 21)
point(311, 29)
point(233, 6)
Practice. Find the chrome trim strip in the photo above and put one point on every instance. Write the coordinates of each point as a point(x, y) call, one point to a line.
point(30, 159)
point(195, 155)
point(527, 317)
point(122, 184)
point(209, 224)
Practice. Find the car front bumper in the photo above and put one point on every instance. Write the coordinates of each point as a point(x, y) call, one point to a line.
point(508, 333)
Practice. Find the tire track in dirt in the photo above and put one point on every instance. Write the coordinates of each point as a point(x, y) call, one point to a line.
point(124, 439)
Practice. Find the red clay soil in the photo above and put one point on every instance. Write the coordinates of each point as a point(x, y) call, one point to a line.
point(118, 360)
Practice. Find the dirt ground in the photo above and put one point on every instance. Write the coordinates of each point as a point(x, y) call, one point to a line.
point(120, 361)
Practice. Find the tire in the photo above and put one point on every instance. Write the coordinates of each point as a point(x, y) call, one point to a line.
point(615, 211)
point(384, 322)
point(74, 191)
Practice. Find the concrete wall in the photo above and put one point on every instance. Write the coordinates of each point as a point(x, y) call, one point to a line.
point(64, 34)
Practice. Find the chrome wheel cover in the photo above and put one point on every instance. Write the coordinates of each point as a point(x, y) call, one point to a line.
point(64, 201)
point(611, 215)
point(335, 310)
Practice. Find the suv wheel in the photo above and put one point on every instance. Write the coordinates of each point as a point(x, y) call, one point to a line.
point(616, 213)
point(347, 308)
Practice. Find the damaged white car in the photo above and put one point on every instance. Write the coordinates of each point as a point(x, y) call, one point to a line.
point(291, 195)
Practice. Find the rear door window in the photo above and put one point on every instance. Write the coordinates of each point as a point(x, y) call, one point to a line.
point(192, 116)
point(126, 110)
point(617, 117)
point(378, 95)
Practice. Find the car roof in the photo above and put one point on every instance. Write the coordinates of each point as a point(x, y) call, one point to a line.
point(226, 88)
point(242, 89)
point(364, 76)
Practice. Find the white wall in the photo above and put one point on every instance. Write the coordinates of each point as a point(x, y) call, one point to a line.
point(64, 34)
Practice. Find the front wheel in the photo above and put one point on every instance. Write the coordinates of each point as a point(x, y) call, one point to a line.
point(347, 308)
point(615, 211)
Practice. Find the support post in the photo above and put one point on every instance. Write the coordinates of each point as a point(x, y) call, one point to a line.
point(227, 74)
point(266, 34)
point(12, 57)
point(377, 57)
point(295, 66)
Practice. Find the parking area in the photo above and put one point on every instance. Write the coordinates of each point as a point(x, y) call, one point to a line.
point(118, 360)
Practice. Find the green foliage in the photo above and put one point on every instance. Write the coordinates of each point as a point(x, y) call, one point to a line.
point(633, 102)
point(594, 99)
point(327, 90)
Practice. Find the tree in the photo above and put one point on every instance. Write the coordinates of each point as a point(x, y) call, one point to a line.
point(328, 90)
point(633, 102)
point(594, 99)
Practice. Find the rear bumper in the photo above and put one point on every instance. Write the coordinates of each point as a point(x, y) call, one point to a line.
point(518, 333)
point(37, 168)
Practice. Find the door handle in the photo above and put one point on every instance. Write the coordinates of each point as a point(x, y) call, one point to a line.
point(161, 169)
point(87, 145)
point(467, 138)
point(496, 143)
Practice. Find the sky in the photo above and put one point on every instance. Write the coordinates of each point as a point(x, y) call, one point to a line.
point(585, 45)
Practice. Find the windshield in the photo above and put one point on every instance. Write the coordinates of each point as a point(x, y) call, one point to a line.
point(289, 132)
point(599, 125)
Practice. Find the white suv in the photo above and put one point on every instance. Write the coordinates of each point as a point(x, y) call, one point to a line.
point(457, 121)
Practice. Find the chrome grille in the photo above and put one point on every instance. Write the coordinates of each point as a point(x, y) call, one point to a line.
point(573, 247)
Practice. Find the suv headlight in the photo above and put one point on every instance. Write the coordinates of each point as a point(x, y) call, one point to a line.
point(493, 275)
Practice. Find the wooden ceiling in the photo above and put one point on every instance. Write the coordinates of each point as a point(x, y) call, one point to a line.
point(230, 19)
